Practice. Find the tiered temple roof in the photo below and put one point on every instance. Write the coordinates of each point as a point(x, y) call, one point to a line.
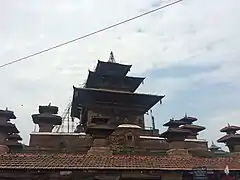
point(108, 81)
point(175, 133)
point(194, 129)
point(12, 142)
point(47, 118)
point(186, 123)
point(109, 87)
point(232, 138)
point(7, 129)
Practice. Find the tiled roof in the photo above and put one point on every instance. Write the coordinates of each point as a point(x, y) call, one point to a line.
point(193, 126)
point(189, 119)
point(83, 162)
point(7, 113)
point(236, 128)
point(228, 137)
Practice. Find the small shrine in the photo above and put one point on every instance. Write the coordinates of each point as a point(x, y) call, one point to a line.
point(47, 118)
point(6, 129)
point(232, 138)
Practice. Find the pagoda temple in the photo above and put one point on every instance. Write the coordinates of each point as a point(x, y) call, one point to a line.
point(109, 94)
point(8, 132)
point(232, 138)
point(111, 140)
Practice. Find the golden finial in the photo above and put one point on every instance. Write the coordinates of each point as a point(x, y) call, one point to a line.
point(111, 58)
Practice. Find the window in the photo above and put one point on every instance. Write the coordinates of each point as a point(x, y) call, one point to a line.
point(129, 137)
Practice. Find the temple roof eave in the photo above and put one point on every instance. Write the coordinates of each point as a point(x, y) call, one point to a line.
point(227, 128)
point(131, 83)
point(229, 137)
point(174, 123)
point(149, 99)
point(89, 97)
point(174, 132)
point(8, 113)
point(102, 67)
point(196, 128)
point(188, 119)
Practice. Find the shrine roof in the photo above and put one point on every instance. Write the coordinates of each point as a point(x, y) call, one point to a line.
point(229, 137)
point(90, 97)
point(115, 162)
point(175, 131)
point(193, 127)
point(227, 128)
point(9, 128)
point(96, 80)
point(14, 136)
point(174, 123)
point(7, 113)
point(112, 68)
point(189, 119)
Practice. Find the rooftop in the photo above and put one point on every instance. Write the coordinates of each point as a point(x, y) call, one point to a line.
point(227, 128)
point(115, 162)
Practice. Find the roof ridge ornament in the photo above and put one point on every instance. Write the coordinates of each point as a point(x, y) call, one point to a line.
point(111, 58)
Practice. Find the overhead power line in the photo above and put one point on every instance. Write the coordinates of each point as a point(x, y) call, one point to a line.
point(90, 34)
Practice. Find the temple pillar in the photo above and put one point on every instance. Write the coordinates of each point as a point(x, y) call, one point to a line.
point(100, 132)
point(45, 127)
point(47, 118)
point(99, 147)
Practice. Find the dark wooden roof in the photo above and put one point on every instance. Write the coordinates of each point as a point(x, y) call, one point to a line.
point(230, 128)
point(124, 83)
point(91, 162)
point(188, 119)
point(13, 144)
point(48, 109)
point(110, 68)
point(8, 128)
point(229, 137)
point(89, 97)
point(14, 137)
point(193, 127)
point(174, 123)
point(8, 114)
point(47, 118)
point(171, 132)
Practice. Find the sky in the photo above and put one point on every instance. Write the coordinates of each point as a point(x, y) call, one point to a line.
point(189, 52)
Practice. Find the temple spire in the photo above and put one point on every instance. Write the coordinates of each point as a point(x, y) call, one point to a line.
point(186, 114)
point(111, 58)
